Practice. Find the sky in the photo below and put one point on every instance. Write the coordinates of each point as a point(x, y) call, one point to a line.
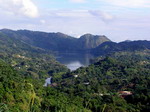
point(119, 20)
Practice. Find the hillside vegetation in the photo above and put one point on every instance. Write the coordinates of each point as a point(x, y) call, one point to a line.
point(118, 81)
point(96, 88)
point(100, 84)
point(29, 60)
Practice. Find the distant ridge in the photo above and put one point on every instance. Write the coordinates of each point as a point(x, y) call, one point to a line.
point(95, 44)
point(110, 47)
point(57, 41)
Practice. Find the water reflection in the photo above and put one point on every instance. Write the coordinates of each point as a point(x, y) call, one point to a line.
point(74, 65)
point(74, 60)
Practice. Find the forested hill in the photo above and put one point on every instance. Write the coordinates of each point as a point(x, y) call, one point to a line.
point(102, 84)
point(57, 41)
point(111, 47)
point(30, 61)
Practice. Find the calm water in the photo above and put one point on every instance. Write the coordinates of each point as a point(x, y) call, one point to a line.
point(74, 60)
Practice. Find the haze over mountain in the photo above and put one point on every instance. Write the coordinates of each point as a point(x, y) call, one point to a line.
point(118, 19)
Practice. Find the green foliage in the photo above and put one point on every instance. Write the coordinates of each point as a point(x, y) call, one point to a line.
point(100, 83)
point(96, 88)
point(28, 60)
point(15, 95)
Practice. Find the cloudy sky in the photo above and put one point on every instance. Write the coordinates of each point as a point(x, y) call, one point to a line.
point(119, 20)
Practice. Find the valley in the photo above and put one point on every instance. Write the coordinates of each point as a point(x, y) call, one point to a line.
point(88, 74)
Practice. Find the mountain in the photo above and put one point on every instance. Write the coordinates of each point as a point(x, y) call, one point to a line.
point(110, 47)
point(57, 41)
point(95, 44)
point(89, 41)
point(28, 60)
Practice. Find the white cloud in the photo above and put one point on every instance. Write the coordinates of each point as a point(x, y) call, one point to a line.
point(78, 1)
point(80, 14)
point(128, 3)
point(102, 15)
point(43, 21)
point(128, 25)
point(20, 7)
point(72, 13)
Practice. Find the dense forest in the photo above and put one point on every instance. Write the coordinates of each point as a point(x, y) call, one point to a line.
point(116, 82)
point(96, 88)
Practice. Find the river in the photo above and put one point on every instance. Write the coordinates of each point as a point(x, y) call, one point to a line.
point(47, 82)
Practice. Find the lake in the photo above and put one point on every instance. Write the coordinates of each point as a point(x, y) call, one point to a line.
point(74, 60)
